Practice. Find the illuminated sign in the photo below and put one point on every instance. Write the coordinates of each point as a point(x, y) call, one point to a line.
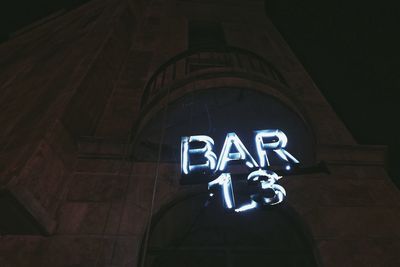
point(198, 156)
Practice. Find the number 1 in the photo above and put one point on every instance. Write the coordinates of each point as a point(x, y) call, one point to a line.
point(225, 182)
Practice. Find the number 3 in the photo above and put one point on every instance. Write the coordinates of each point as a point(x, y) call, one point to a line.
point(267, 180)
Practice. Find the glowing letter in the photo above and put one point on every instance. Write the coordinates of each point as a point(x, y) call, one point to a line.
point(233, 140)
point(225, 181)
point(277, 144)
point(268, 182)
point(265, 183)
point(206, 150)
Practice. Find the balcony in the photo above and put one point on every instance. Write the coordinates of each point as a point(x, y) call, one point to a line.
point(213, 91)
point(205, 61)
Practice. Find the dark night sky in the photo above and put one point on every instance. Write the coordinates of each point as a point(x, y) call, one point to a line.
point(350, 48)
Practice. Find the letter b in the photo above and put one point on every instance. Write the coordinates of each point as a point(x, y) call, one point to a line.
point(205, 151)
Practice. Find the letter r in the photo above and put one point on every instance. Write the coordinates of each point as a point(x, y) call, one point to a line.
point(278, 141)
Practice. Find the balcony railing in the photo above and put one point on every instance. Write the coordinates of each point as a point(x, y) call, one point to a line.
point(203, 59)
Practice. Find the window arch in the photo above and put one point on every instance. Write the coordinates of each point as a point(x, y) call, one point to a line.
point(193, 232)
point(217, 111)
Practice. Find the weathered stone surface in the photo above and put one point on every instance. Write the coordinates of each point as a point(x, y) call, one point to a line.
point(44, 176)
point(76, 251)
point(134, 219)
point(114, 218)
point(105, 166)
point(21, 251)
point(97, 188)
point(353, 222)
point(126, 251)
point(362, 252)
point(137, 205)
point(361, 171)
point(83, 218)
point(144, 169)
point(103, 147)
point(371, 155)
point(330, 190)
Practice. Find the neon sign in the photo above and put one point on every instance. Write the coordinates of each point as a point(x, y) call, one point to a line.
point(197, 156)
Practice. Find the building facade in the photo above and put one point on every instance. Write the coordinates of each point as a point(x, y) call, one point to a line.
point(95, 103)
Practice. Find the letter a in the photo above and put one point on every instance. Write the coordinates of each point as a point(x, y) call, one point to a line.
point(226, 155)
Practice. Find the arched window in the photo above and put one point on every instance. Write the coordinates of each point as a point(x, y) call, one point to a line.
point(218, 111)
point(193, 232)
